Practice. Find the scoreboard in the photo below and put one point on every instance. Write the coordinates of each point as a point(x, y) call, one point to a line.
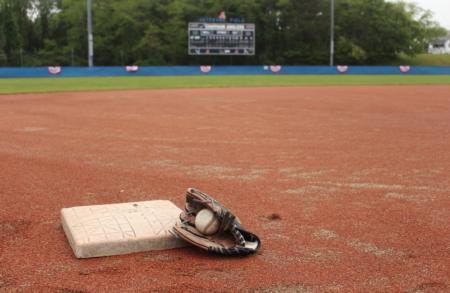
point(221, 38)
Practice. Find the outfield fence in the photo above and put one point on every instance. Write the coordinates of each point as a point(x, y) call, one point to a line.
point(57, 71)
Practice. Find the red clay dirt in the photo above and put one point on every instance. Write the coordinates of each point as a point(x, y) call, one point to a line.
point(348, 187)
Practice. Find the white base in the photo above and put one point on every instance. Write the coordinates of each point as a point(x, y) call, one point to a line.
point(113, 229)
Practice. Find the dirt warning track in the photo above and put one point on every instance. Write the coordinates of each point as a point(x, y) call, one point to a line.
point(348, 187)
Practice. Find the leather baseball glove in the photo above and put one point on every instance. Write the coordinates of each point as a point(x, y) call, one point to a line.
point(230, 239)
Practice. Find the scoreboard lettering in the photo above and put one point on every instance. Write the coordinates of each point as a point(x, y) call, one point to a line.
point(221, 38)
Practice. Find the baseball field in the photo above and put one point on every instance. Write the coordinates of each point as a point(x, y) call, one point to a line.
point(344, 178)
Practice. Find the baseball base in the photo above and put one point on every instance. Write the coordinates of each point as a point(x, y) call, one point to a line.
point(113, 229)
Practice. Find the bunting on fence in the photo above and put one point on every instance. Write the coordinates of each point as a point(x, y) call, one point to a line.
point(132, 68)
point(205, 68)
point(275, 68)
point(54, 70)
point(405, 68)
point(342, 68)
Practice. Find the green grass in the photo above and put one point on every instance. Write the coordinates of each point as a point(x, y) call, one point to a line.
point(424, 60)
point(34, 85)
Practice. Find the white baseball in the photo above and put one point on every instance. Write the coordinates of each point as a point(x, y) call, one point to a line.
point(206, 222)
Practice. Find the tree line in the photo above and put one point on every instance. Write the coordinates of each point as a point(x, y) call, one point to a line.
point(154, 32)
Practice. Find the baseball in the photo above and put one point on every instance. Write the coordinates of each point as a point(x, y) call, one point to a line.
point(206, 222)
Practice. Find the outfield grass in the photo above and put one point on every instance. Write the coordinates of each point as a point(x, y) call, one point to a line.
point(30, 85)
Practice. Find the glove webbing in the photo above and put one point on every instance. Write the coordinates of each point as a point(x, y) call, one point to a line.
point(226, 219)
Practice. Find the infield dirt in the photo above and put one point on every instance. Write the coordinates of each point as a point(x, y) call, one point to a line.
point(347, 187)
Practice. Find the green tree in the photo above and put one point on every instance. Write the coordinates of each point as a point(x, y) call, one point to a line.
point(376, 31)
point(155, 32)
point(12, 37)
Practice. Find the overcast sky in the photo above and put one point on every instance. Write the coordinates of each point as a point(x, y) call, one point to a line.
point(440, 8)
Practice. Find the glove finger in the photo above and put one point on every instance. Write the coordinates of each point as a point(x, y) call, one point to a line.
point(187, 218)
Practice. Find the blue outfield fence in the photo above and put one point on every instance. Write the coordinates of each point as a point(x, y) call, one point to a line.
point(56, 71)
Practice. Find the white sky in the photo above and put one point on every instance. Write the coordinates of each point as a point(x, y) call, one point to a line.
point(440, 8)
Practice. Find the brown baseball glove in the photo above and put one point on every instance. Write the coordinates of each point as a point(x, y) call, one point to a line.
point(230, 239)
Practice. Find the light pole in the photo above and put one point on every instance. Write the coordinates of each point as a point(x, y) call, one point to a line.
point(90, 35)
point(331, 32)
